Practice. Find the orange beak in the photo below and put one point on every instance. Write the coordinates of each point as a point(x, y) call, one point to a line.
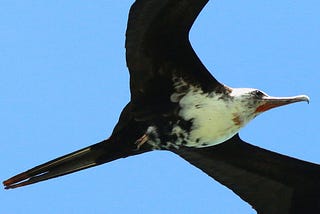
point(273, 102)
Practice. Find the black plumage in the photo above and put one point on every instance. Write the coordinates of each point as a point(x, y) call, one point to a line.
point(159, 56)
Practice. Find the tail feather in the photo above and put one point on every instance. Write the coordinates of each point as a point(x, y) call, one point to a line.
point(90, 156)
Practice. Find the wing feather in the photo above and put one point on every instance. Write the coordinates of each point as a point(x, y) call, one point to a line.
point(158, 47)
point(269, 182)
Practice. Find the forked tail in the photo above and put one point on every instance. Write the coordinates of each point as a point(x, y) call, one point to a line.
point(93, 155)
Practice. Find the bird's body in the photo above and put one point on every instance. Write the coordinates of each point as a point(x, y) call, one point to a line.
point(177, 105)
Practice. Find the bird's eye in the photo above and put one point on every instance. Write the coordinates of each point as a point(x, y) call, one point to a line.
point(258, 93)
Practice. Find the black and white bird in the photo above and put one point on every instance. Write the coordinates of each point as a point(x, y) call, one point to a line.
point(177, 105)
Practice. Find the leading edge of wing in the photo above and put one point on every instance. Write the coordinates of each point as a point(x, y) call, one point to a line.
point(268, 181)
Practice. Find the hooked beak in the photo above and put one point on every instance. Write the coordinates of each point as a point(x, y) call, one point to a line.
point(269, 102)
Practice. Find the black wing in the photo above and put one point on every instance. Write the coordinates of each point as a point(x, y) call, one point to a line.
point(158, 48)
point(269, 182)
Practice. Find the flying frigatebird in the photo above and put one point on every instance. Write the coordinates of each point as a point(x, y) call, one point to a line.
point(177, 105)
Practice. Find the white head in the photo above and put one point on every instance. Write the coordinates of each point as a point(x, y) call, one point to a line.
point(251, 102)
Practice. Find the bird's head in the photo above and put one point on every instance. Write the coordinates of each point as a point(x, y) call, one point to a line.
point(252, 102)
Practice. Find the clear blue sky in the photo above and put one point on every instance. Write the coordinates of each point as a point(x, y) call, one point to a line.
point(64, 82)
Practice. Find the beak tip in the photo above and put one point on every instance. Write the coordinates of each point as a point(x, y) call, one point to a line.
point(305, 98)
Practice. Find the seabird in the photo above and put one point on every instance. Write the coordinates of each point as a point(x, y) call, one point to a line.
point(177, 105)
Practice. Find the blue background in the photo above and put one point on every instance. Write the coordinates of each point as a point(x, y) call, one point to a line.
point(64, 82)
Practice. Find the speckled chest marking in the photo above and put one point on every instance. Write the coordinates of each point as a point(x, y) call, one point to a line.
point(214, 119)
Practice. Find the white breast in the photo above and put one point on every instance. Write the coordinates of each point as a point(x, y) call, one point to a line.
point(215, 120)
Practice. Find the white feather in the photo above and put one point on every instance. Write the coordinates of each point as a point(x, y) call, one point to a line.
point(215, 119)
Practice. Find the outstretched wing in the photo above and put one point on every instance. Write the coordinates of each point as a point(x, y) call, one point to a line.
point(158, 48)
point(269, 182)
